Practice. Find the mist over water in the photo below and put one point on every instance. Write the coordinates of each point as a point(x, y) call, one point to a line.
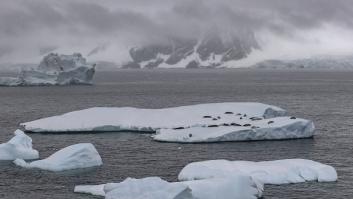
point(324, 97)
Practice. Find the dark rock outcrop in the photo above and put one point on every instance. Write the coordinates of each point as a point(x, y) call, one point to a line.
point(210, 51)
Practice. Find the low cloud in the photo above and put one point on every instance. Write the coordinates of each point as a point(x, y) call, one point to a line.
point(107, 29)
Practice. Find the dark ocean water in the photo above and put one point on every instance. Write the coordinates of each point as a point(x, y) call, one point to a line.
point(324, 97)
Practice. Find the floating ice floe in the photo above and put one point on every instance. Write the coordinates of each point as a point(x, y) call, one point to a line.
point(54, 69)
point(266, 129)
point(268, 172)
point(233, 187)
point(146, 188)
point(150, 120)
point(76, 156)
point(19, 146)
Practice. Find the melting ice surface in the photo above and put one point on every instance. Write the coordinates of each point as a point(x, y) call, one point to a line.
point(54, 69)
point(76, 156)
point(267, 172)
point(233, 187)
point(20, 146)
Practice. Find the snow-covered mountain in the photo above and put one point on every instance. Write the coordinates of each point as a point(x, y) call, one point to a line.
point(211, 51)
point(320, 62)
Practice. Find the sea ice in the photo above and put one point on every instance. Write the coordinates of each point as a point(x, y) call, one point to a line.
point(76, 156)
point(233, 187)
point(150, 120)
point(281, 128)
point(96, 190)
point(268, 172)
point(19, 146)
point(147, 188)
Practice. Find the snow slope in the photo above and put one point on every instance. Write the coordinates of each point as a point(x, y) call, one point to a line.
point(211, 50)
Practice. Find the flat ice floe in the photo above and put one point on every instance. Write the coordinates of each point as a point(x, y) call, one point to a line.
point(146, 188)
point(265, 129)
point(19, 146)
point(150, 120)
point(233, 187)
point(268, 172)
point(76, 156)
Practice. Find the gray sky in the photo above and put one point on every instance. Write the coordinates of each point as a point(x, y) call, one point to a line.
point(105, 29)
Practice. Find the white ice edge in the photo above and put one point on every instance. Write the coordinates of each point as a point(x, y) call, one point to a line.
point(267, 129)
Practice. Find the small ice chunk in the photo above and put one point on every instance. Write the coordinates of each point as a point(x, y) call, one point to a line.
point(19, 146)
point(96, 190)
point(76, 156)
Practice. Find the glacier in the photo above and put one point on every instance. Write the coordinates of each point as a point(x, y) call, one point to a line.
point(265, 129)
point(54, 69)
point(323, 62)
point(233, 187)
point(20, 146)
point(149, 120)
point(76, 156)
point(268, 172)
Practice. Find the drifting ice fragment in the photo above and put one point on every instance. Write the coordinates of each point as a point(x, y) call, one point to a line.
point(19, 146)
point(76, 156)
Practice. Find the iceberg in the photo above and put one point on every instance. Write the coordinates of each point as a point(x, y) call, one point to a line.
point(19, 146)
point(233, 187)
point(267, 172)
point(76, 156)
point(54, 69)
point(266, 129)
point(149, 120)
